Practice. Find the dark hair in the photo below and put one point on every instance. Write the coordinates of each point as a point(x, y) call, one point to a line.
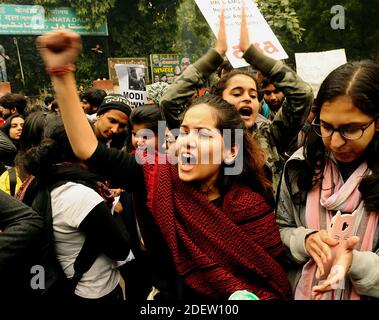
point(48, 100)
point(221, 85)
point(225, 66)
point(148, 115)
point(7, 125)
point(54, 148)
point(360, 81)
point(54, 106)
point(94, 96)
point(14, 100)
point(32, 131)
point(253, 172)
point(31, 136)
point(265, 83)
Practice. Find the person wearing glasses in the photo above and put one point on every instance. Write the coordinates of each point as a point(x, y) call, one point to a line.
point(336, 175)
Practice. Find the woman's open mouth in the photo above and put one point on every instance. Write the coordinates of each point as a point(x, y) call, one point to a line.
point(245, 112)
point(187, 161)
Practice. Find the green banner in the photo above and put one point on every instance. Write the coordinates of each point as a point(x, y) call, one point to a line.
point(33, 20)
point(167, 67)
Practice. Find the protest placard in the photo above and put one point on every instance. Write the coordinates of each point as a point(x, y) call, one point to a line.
point(167, 67)
point(112, 72)
point(260, 32)
point(131, 78)
point(313, 67)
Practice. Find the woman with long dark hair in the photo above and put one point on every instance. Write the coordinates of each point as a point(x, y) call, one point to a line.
point(333, 182)
point(81, 215)
point(239, 88)
point(207, 221)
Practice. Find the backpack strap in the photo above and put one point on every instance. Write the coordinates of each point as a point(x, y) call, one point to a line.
point(88, 253)
point(12, 180)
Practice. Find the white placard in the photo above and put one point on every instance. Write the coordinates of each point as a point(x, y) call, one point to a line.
point(260, 32)
point(313, 67)
point(131, 78)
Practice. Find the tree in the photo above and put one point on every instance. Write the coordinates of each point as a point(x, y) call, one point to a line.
point(359, 35)
point(194, 33)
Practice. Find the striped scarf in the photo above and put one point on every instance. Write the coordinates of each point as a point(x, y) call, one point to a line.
point(218, 251)
point(334, 195)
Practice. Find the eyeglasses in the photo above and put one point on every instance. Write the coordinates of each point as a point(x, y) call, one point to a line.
point(348, 132)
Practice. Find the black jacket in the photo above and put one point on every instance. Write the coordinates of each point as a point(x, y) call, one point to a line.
point(20, 237)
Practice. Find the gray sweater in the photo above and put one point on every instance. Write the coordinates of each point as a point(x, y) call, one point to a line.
point(364, 271)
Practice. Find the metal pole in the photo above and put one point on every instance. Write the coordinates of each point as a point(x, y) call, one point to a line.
point(19, 60)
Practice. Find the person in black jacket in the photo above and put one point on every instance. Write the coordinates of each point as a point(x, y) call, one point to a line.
point(20, 237)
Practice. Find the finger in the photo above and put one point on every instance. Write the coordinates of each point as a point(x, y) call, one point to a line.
point(319, 264)
point(319, 251)
point(330, 241)
point(221, 31)
point(325, 286)
point(352, 242)
point(243, 15)
point(244, 35)
point(221, 37)
point(333, 282)
point(317, 295)
point(324, 236)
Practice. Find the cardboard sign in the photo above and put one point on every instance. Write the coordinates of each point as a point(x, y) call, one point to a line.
point(313, 67)
point(260, 32)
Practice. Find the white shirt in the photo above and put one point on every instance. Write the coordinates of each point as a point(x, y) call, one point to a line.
point(70, 204)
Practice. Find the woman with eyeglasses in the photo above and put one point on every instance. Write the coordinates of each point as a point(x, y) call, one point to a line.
point(329, 194)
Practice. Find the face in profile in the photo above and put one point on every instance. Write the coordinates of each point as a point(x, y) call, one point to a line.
point(342, 113)
point(241, 91)
point(86, 106)
point(200, 146)
point(110, 123)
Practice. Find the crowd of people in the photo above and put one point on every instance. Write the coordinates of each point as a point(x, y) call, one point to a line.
point(257, 185)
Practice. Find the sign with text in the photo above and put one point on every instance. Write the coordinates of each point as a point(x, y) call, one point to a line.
point(34, 20)
point(260, 32)
point(131, 78)
point(313, 67)
point(167, 67)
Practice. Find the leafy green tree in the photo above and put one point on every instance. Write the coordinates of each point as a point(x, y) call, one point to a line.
point(194, 35)
point(359, 35)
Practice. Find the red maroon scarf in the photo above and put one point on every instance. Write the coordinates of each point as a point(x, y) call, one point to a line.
point(217, 251)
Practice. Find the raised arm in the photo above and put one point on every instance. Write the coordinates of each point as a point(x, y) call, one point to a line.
point(178, 95)
point(59, 50)
point(299, 96)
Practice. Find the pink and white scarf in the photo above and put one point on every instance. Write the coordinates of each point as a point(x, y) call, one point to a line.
point(334, 195)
